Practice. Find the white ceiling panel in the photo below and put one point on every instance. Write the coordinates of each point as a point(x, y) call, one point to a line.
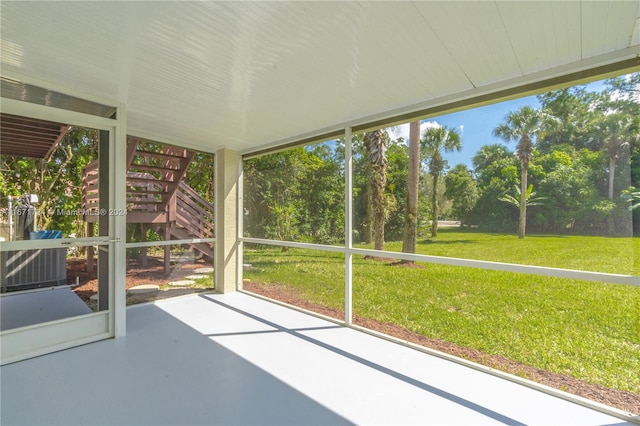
point(249, 74)
point(607, 26)
point(486, 56)
point(543, 35)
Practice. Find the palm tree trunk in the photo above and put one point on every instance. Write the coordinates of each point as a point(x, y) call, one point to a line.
point(434, 207)
point(375, 143)
point(368, 226)
point(612, 173)
point(410, 236)
point(522, 226)
point(378, 211)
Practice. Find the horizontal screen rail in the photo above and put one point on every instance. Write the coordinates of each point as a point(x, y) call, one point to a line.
point(55, 243)
point(508, 267)
point(602, 277)
point(170, 242)
point(293, 244)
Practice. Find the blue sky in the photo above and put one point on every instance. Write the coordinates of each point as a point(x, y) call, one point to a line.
point(476, 125)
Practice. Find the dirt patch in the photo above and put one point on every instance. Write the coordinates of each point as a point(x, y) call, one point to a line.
point(407, 264)
point(390, 261)
point(137, 274)
point(627, 401)
point(379, 259)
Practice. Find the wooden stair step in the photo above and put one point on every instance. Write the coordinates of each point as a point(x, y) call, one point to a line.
point(139, 201)
point(143, 192)
point(202, 247)
point(148, 180)
point(152, 168)
point(160, 155)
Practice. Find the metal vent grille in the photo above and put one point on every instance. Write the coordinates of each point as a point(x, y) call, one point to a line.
point(27, 269)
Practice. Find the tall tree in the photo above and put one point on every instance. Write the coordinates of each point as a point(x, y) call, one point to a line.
point(462, 190)
point(200, 175)
point(57, 179)
point(396, 189)
point(411, 214)
point(487, 155)
point(616, 136)
point(570, 184)
point(578, 109)
point(435, 141)
point(624, 92)
point(376, 146)
point(271, 196)
point(523, 126)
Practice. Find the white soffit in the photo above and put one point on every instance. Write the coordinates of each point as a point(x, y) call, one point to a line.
point(245, 75)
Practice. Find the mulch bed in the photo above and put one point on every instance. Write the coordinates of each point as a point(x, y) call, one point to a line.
point(624, 400)
point(137, 274)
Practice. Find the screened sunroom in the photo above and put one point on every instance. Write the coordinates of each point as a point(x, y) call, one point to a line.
point(207, 216)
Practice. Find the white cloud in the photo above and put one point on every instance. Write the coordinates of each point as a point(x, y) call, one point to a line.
point(429, 125)
point(399, 131)
point(403, 129)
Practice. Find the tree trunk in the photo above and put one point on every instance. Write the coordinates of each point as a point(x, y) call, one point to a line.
point(367, 237)
point(522, 226)
point(612, 173)
point(434, 207)
point(375, 143)
point(379, 208)
point(411, 215)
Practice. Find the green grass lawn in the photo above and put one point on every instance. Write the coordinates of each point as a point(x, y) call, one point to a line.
point(599, 254)
point(584, 329)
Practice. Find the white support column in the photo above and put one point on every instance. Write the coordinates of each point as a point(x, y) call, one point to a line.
point(240, 223)
point(226, 259)
point(348, 226)
point(119, 225)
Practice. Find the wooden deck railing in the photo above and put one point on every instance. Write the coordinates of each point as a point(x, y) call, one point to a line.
point(90, 195)
point(194, 213)
point(157, 195)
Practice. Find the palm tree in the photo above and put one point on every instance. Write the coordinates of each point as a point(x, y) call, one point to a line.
point(376, 145)
point(616, 135)
point(632, 196)
point(435, 141)
point(488, 154)
point(523, 126)
point(530, 198)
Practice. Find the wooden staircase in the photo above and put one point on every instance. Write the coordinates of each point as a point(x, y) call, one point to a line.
point(194, 219)
point(157, 197)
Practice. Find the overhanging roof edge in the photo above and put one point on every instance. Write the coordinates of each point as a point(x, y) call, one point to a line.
point(508, 93)
point(56, 87)
point(584, 71)
point(295, 142)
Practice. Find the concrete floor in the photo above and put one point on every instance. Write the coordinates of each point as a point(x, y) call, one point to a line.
point(236, 359)
point(25, 308)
